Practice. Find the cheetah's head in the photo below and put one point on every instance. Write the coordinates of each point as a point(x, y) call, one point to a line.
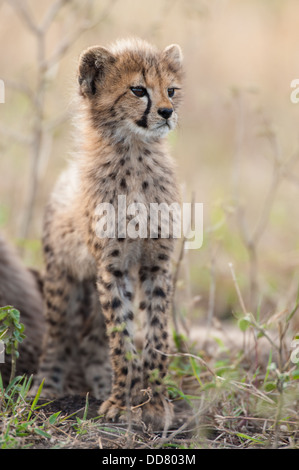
point(131, 88)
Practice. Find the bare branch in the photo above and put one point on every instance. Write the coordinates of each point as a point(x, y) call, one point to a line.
point(237, 288)
point(15, 135)
point(177, 269)
point(51, 14)
point(69, 41)
point(251, 240)
point(212, 291)
point(18, 86)
point(56, 122)
point(41, 138)
point(267, 207)
point(22, 9)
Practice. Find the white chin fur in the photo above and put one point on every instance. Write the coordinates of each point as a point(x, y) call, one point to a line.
point(149, 133)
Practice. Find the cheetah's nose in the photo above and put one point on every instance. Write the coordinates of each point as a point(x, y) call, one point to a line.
point(165, 112)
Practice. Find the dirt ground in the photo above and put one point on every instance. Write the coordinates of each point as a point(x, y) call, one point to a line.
point(110, 435)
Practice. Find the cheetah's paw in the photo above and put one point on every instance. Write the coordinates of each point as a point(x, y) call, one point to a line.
point(116, 411)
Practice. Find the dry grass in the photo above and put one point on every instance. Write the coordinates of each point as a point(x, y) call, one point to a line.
point(237, 151)
point(225, 395)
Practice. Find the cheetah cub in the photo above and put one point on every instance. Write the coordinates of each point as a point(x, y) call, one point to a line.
point(128, 97)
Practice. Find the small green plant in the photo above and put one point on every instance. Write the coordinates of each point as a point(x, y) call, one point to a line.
point(11, 334)
point(81, 426)
point(18, 414)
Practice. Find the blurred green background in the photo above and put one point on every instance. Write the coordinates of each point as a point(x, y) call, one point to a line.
point(237, 146)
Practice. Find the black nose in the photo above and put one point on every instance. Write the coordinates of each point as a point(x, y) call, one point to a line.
point(165, 112)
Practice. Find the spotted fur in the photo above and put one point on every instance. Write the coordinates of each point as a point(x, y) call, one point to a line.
point(129, 96)
point(19, 287)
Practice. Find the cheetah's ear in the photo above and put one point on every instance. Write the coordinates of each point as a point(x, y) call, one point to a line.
point(173, 54)
point(93, 64)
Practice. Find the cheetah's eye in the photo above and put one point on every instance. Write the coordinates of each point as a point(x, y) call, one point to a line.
point(138, 91)
point(171, 92)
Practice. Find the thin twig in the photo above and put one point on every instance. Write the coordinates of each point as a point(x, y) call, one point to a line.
point(178, 265)
point(51, 14)
point(21, 7)
point(67, 42)
point(252, 240)
point(174, 283)
point(237, 289)
point(201, 411)
point(199, 359)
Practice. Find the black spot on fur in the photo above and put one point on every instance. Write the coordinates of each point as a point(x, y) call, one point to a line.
point(154, 269)
point(142, 275)
point(130, 315)
point(117, 273)
point(155, 321)
point(128, 295)
point(135, 381)
point(123, 183)
point(116, 302)
point(158, 292)
point(115, 253)
point(163, 257)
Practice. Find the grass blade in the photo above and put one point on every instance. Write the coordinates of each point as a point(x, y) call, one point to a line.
point(36, 398)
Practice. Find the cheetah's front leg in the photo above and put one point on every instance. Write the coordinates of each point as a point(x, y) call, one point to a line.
point(116, 294)
point(156, 284)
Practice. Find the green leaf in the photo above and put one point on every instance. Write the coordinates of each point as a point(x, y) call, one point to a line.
point(86, 408)
point(3, 332)
point(250, 438)
point(20, 327)
point(1, 385)
point(15, 315)
point(53, 417)
point(270, 386)
point(36, 398)
point(268, 367)
point(244, 323)
point(2, 314)
point(42, 433)
point(195, 369)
